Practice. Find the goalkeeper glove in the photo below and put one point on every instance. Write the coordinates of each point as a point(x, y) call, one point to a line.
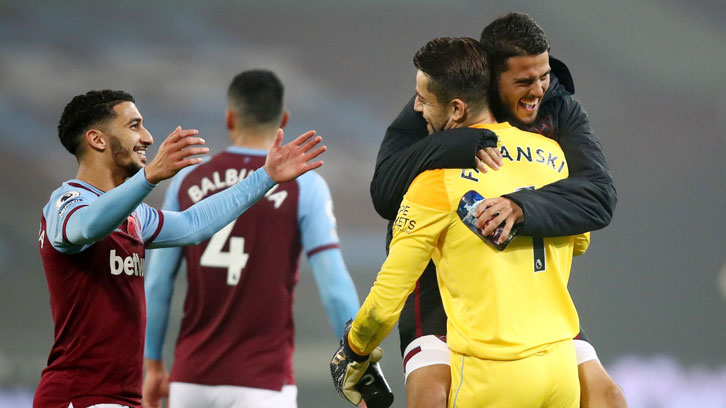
point(357, 377)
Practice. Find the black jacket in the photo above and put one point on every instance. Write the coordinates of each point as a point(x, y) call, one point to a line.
point(583, 202)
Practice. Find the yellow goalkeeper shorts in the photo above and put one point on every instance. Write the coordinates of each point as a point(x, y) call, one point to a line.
point(545, 379)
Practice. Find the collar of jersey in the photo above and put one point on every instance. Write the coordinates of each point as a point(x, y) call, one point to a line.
point(89, 186)
point(246, 150)
point(492, 126)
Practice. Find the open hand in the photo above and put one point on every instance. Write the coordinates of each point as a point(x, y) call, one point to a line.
point(287, 162)
point(173, 154)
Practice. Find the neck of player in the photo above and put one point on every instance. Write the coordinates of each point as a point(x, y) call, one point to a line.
point(260, 137)
point(101, 175)
point(480, 117)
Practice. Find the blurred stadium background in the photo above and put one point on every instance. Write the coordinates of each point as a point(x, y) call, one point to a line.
point(651, 291)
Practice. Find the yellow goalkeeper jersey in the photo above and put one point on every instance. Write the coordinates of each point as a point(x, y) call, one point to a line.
point(501, 305)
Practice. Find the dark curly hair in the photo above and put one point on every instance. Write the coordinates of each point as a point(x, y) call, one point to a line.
point(86, 110)
point(456, 68)
point(513, 35)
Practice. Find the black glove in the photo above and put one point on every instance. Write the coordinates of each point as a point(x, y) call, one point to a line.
point(357, 377)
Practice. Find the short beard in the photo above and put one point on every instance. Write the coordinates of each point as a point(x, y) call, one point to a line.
point(501, 111)
point(122, 157)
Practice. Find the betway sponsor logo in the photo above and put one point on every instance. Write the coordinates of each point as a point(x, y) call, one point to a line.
point(130, 265)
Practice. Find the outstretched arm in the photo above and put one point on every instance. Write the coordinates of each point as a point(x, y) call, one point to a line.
point(87, 223)
point(406, 151)
point(203, 219)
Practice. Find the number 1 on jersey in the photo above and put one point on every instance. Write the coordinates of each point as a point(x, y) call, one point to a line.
point(234, 260)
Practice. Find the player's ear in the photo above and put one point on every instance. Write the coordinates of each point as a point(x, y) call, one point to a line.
point(230, 119)
point(458, 110)
point(285, 119)
point(96, 140)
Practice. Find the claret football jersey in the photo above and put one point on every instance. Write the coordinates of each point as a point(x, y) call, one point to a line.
point(237, 327)
point(97, 302)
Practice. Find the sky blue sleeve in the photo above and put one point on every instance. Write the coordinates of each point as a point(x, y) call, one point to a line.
point(162, 267)
point(337, 291)
point(81, 223)
point(203, 219)
point(315, 213)
point(64, 202)
point(161, 271)
point(152, 219)
point(320, 240)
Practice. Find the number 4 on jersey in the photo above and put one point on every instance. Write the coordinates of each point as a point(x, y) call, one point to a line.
point(234, 260)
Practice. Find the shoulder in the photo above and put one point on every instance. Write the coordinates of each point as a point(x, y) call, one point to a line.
point(313, 192)
point(311, 183)
point(178, 180)
point(185, 172)
point(311, 178)
point(519, 136)
point(429, 190)
point(558, 114)
point(68, 193)
point(559, 95)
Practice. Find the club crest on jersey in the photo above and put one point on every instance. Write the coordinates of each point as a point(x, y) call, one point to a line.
point(133, 226)
point(65, 197)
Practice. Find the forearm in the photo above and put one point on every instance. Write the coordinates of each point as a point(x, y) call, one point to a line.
point(455, 148)
point(202, 220)
point(409, 254)
point(382, 307)
point(337, 291)
point(97, 220)
point(570, 206)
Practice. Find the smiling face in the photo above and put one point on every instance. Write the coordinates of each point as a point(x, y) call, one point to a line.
point(522, 86)
point(435, 113)
point(128, 139)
